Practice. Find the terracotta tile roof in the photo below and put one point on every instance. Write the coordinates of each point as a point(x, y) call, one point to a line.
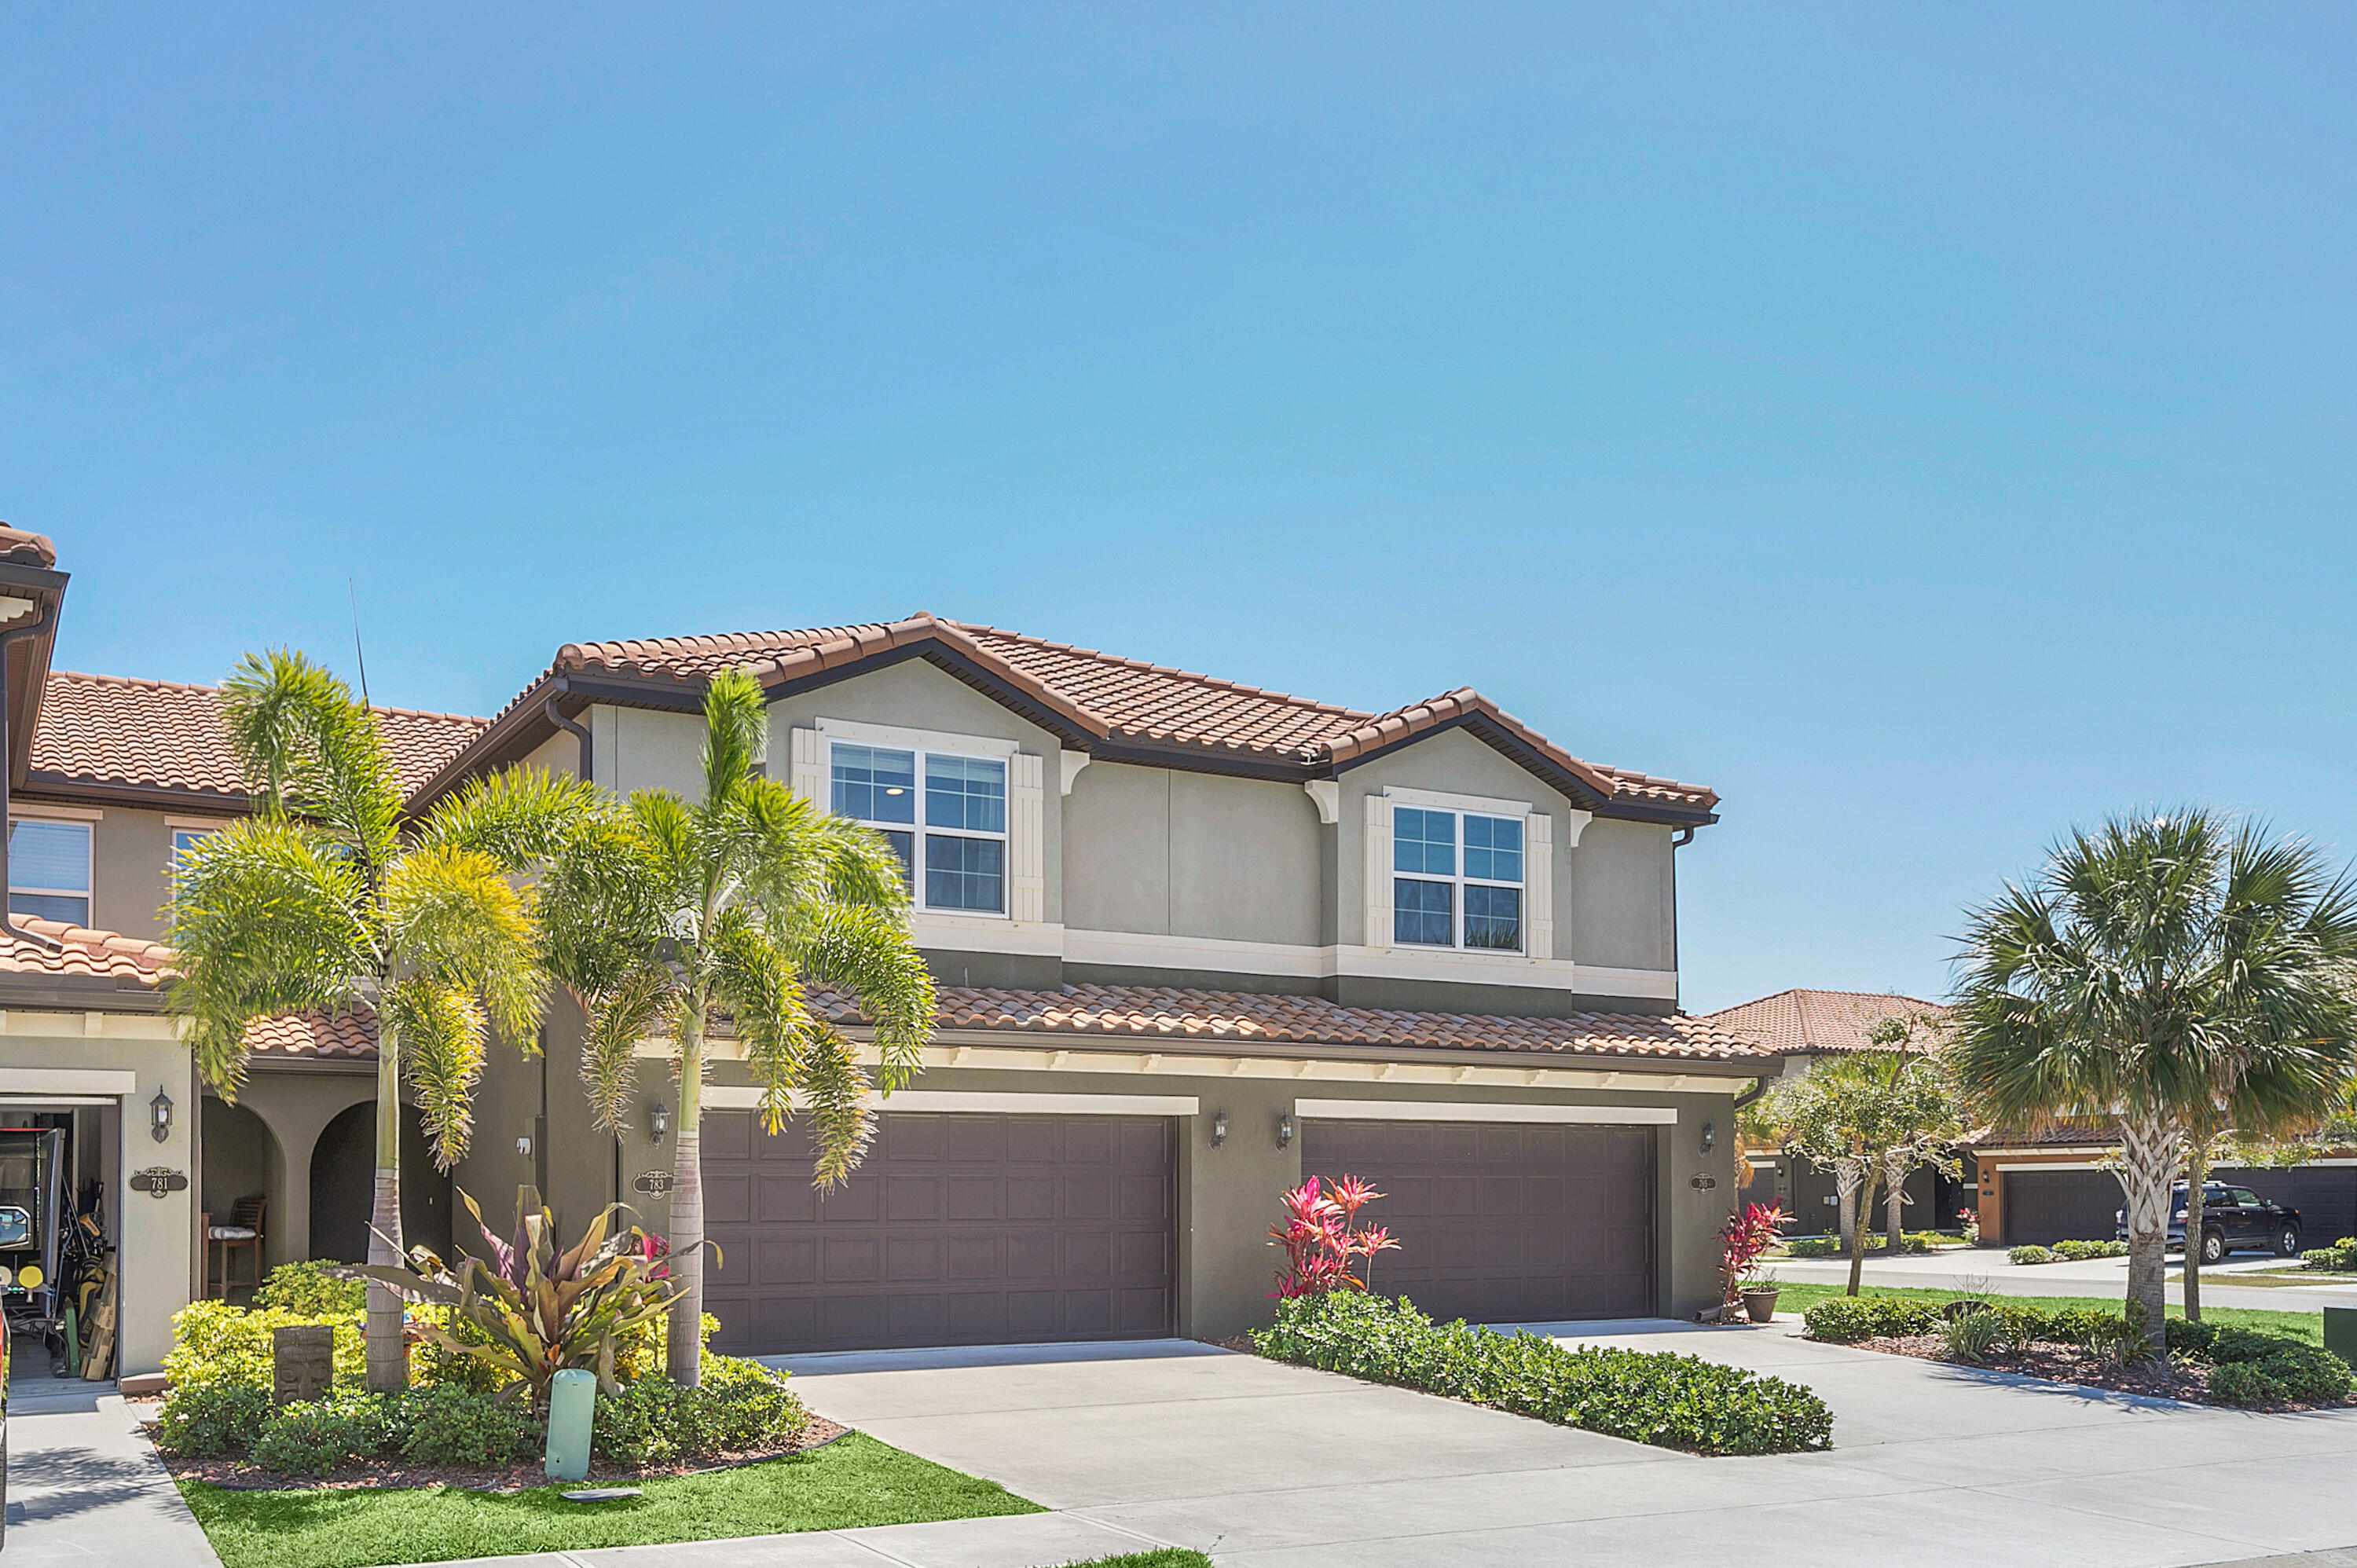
point(1145, 1012)
point(101, 955)
point(113, 730)
point(27, 548)
point(349, 1035)
point(1115, 698)
point(2069, 1133)
point(1805, 1022)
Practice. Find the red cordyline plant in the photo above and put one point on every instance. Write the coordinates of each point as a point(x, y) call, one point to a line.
point(1750, 1231)
point(1320, 1238)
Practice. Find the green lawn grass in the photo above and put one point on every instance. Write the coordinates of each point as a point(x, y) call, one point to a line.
point(853, 1481)
point(2309, 1325)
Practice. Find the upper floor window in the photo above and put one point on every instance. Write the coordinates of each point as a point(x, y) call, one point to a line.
point(48, 870)
point(1459, 879)
point(183, 839)
point(955, 858)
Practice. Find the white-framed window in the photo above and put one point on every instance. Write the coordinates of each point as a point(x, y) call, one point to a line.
point(48, 870)
point(1457, 879)
point(183, 838)
point(951, 834)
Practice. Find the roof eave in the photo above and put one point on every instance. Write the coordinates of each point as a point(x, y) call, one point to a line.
point(1519, 749)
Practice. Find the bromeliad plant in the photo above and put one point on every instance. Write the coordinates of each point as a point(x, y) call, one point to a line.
point(1750, 1232)
point(1320, 1238)
point(537, 1311)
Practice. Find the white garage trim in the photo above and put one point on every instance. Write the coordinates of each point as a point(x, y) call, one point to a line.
point(2046, 1165)
point(1483, 1111)
point(68, 1080)
point(730, 1097)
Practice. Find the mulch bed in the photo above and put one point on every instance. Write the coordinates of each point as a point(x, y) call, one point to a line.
point(2170, 1380)
point(238, 1477)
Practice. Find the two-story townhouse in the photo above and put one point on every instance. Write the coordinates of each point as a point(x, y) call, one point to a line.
point(108, 778)
point(1196, 941)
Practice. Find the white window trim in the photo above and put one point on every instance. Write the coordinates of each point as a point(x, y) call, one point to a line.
point(917, 829)
point(1484, 1110)
point(34, 812)
point(1459, 880)
point(1438, 800)
point(200, 825)
point(87, 892)
point(730, 1097)
point(905, 739)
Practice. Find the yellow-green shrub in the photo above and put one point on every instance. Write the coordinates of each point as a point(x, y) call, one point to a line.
point(214, 1342)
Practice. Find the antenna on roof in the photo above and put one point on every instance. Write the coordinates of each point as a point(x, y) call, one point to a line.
point(355, 596)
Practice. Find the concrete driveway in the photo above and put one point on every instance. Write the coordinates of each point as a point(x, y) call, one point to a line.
point(1266, 1465)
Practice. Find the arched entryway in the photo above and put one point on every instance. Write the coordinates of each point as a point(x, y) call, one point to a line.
point(343, 1167)
point(241, 1161)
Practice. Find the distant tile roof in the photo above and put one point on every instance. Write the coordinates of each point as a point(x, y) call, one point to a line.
point(27, 548)
point(1147, 1012)
point(115, 730)
point(1106, 695)
point(2069, 1132)
point(314, 1034)
point(101, 955)
point(1808, 1023)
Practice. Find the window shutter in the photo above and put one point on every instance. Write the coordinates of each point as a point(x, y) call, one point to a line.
point(1538, 886)
point(808, 767)
point(1377, 872)
point(1026, 838)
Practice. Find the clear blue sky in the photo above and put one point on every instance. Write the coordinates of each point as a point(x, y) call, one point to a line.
point(1928, 427)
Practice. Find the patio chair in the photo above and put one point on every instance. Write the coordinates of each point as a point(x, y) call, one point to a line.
point(243, 1231)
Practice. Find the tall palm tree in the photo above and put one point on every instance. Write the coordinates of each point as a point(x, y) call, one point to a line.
point(665, 914)
point(326, 898)
point(2171, 974)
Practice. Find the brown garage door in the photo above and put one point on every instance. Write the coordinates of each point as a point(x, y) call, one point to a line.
point(2042, 1207)
point(955, 1230)
point(1499, 1222)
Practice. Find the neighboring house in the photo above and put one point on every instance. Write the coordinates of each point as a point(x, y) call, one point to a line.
point(2055, 1185)
point(1196, 941)
point(1804, 1027)
point(108, 780)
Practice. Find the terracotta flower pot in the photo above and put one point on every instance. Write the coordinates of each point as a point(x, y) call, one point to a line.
point(1761, 1303)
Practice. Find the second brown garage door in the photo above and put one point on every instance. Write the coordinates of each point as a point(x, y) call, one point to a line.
point(2046, 1207)
point(1501, 1222)
point(956, 1230)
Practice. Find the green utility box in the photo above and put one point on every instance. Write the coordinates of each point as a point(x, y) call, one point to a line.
point(2340, 1332)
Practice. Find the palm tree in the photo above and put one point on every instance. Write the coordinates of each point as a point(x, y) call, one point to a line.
point(663, 915)
point(325, 898)
point(2171, 974)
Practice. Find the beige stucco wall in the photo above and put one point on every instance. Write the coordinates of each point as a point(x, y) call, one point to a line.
point(1159, 852)
point(155, 1236)
point(131, 854)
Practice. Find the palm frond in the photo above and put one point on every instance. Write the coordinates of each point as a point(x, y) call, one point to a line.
point(309, 748)
point(605, 904)
point(835, 1097)
point(868, 953)
point(453, 914)
point(756, 982)
point(520, 817)
point(265, 917)
point(439, 1030)
point(735, 733)
point(619, 1018)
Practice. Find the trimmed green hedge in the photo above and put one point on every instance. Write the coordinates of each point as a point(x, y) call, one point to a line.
point(1669, 1400)
point(2341, 1257)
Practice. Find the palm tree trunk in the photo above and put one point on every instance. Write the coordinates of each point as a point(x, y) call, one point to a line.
point(682, 1334)
point(1860, 1207)
point(388, 1356)
point(2149, 1151)
point(2197, 1172)
point(1895, 1206)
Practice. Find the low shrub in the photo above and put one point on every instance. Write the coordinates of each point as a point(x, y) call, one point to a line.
point(2307, 1374)
point(739, 1407)
point(212, 1419)
point(1973, 1337)
point(2079, 1251)
point(308, 1288)
point(2231, 1344)
point(214, 1342)
point(2189, 1338)
point(2031, 1255)
point(453, 1424)
point(315, 1436)
point(1846, 1319)
point(1813, 1246)
point(2341, 1257)
point(1669, 1400)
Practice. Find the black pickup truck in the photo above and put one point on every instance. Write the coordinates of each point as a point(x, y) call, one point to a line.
point(2234, 1219)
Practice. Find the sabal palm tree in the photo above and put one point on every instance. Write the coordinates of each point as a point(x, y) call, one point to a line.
point(326, 898)
point(2167, 973)
point(665, 915)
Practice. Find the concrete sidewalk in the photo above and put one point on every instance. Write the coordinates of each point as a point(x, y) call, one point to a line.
point(1984, 1268)
point(85, 1488)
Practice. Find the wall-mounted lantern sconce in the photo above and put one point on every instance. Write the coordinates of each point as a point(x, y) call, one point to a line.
point(159, 1114)
point(523, 1145)
point(1218, 1128)
point(1284, 1128)
point(660, 1118)
point(1709, 1135)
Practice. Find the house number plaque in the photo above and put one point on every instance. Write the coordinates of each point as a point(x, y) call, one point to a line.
point(654, 1184)
point(158, 1181)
